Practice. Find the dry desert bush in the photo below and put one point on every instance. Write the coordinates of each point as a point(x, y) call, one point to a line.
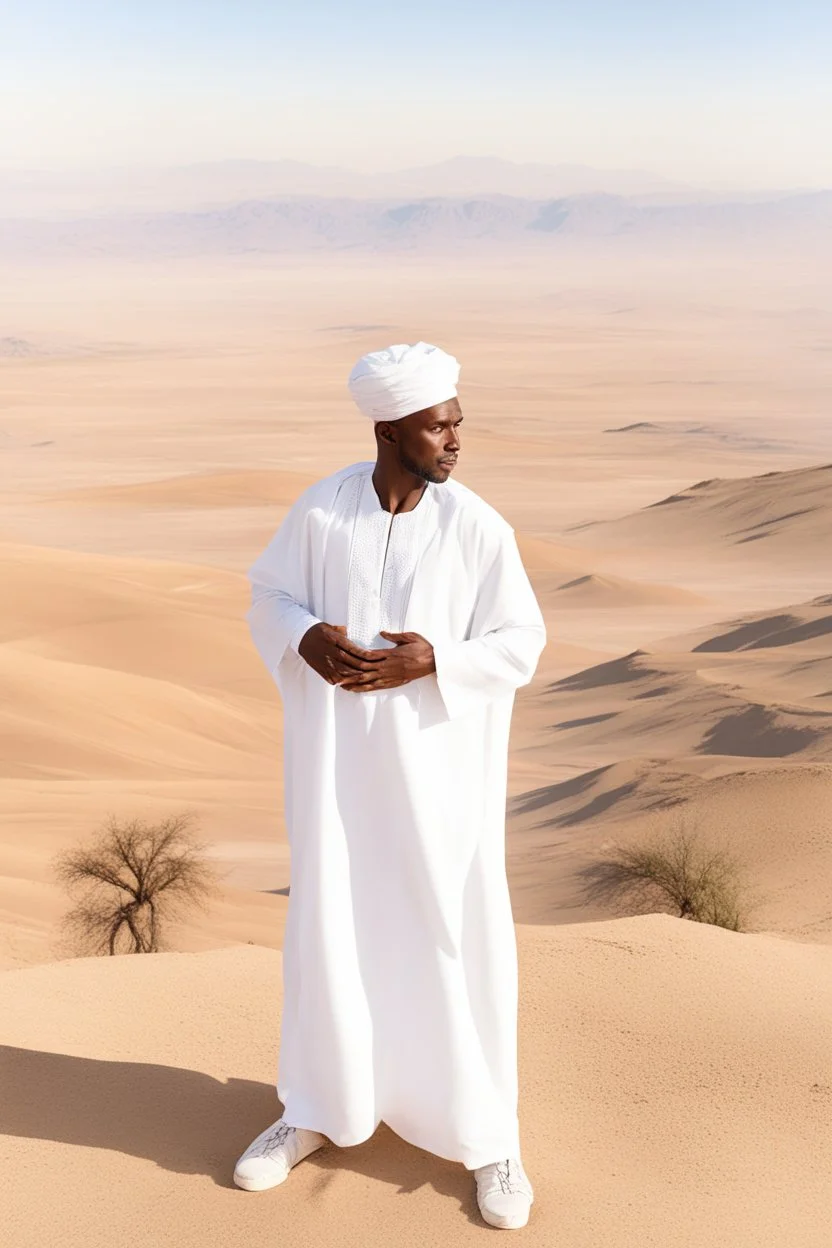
point(675, 869)
point(130, 881)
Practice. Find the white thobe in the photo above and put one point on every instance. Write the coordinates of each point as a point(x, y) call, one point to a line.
point(399, 963)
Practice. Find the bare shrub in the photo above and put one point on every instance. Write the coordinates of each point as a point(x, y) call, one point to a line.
point(130, 881)
point(677, 869)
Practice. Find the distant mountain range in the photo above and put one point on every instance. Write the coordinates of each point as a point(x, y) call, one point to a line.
point(304, 224)
point(218, 183)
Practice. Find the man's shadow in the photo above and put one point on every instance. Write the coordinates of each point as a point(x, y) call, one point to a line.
point(188, 1122)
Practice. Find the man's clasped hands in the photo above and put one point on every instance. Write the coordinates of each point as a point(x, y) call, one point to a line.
point(329, 652)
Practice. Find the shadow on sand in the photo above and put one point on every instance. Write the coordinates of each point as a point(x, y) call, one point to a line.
point(189, 1122)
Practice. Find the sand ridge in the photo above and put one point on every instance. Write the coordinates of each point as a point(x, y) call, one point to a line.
point(257, 487)
point(774, 515)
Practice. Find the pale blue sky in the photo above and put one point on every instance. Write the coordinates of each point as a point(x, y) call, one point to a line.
point(733, 92)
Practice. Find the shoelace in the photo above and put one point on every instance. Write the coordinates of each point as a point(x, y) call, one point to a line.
point(504, 1176)
point(273, 1140)
point(510, 1177)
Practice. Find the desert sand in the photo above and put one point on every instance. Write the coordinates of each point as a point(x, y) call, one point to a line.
point(657, 430)
point(675, 1091)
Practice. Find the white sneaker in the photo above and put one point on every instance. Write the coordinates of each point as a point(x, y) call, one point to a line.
point(504, 1194)
point(269, 1158)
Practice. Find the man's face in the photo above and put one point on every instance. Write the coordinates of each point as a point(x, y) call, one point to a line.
point(428, 442)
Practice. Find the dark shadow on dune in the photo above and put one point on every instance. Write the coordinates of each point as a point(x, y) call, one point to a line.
point(553, 794)
point(387, 1158)
point(656, 692)
point(184, 1120)
point(657, 793)
point(755, 732)
point(614, 672)
point(585, 524)
point(582, 723)
point(671, 498)
point(745, 635)
point(578, 580)
point(603, 884)
point(639, 424)
point(801, 632)
point(767, 524)
point(598, 805)
point(776, 630)
point(535, 799)
point(187, 1122)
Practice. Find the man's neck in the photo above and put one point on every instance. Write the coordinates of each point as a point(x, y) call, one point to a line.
point(397, 490)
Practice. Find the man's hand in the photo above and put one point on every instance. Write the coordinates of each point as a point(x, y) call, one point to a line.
point(411, 658)
point(328, 651)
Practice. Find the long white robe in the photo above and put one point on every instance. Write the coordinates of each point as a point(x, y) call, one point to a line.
point(399, 964)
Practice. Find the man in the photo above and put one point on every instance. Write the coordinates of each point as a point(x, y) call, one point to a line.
point(394, 613)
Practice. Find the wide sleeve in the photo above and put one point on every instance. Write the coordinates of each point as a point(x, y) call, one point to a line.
point(507, 636)
point(279, 614)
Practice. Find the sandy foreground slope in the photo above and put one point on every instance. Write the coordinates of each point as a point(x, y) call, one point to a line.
point(676, 1090)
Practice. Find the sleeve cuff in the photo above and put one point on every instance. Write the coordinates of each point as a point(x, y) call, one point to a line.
point(456, 699)
point(301, 629)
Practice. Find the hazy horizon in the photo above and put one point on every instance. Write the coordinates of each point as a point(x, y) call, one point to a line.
point(56, 172)
point(731, 96)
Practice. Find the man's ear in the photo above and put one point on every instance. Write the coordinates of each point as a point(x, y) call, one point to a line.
point(385, 433)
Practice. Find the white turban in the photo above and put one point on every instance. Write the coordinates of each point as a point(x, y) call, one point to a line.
point(405, 378)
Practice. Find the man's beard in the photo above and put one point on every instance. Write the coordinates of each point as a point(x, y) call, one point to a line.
point(424, 474)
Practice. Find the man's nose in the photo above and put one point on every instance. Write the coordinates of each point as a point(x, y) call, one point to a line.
point(452, 440)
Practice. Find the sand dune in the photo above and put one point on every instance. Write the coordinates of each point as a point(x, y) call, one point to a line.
point(561, 581)
point(121, 678)
point(659, 703)
point(544, 555)
point(593, 590)
point(67, 720)
point(715, 690)
point(804, 681)
point(777, 514)
point(728, 726)
point(138, 1081)
point(806, 622)
point(770, 817)
point(776, 655)
point(116, 666)
point(684, 432)
point(84, 607)
point(33, 908)
point(257, 487)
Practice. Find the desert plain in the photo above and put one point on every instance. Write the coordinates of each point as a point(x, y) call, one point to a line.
point(656, 425)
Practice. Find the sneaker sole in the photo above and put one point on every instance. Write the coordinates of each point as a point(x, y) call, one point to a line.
point(257, 1185)
point(505, 1225)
